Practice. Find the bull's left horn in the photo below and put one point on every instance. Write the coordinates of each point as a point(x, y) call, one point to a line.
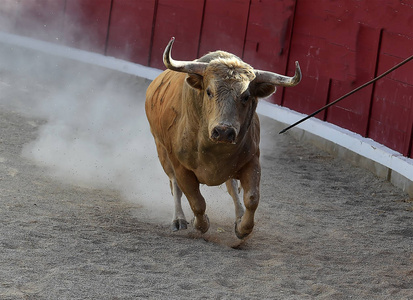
point(192, 67)
point(277, 79)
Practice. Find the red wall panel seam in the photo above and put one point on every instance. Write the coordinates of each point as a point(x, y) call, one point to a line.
point(246, 29)
point(289, 47)
point(64, 8)
point(108, 28)
point(200, 31)
point(366, 134)
point(330, 83)
point(155, 12)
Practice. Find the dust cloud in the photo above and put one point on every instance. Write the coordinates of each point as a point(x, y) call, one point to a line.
point(95, 132)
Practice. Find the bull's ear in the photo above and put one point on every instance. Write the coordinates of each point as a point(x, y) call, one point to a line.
point(262, 89)
point(195, 81)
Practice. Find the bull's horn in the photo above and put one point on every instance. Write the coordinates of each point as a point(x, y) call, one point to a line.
point(191, 67)
point(277, 79)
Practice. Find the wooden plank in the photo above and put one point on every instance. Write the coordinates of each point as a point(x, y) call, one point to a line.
point(180, 19)
point(224, 27)
point(268, 37)
point(41, 19)
point(9, 10)
point(268, 34)
point(353, 112)
point(130, 30)
point(312, 92)
point(86, 24)
point(391, 119)
point(387, 135)
point(395, 48)
point(391, 15)
point(308, 96)
point(410, 154)
point(392, 107)
point(330, 20)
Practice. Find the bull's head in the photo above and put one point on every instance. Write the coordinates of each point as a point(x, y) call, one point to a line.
point(230, 89)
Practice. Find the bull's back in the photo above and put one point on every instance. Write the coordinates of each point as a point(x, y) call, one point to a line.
point(163, 101)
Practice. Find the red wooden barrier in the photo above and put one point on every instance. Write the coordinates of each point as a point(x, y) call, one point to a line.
point(391, 119)
point(339, 44)
point(86, 24)
point(182, 19)
point(130, 30)
point(47, 24)
point(8, 15)
point(224, 26)
point(353, 113)
point(267, 42)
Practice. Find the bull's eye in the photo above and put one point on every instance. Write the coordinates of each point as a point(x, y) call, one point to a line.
point(209, 93)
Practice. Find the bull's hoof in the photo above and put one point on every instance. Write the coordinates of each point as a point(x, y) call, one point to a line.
point(238, 233)
point(179, 224)
point(202, 225)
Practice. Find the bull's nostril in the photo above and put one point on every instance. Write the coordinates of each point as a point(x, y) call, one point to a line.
point(224, 134)
point(231, 135)
point(215, 134)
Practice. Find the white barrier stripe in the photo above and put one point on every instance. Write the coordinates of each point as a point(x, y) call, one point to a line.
point(352, 141)
point(80, 55)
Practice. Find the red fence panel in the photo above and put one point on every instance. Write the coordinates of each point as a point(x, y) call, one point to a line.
point(224, 26)
point(268, 36)
point(353, 112)
point(41, 19)
point(130, 30)
point(181, 19)
point(392, 15)
point(323, 44)
point(392, 108)
point(86, 24)
point(312, 92)
point(9, 14)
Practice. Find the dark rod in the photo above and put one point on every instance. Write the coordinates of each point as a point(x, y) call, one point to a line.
point(348, 94)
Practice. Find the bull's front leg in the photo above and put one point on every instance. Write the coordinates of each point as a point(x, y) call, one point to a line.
point(232, 187)
point(189, 185)
point(250, 177)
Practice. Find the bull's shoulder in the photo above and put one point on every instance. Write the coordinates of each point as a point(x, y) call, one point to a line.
point(167, 86)
point(164, 94)
point(163, 105)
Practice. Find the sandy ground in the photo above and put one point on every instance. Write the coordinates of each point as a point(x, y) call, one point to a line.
point(324, 229)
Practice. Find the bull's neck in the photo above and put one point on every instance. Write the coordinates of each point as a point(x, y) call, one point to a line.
point(192, 105)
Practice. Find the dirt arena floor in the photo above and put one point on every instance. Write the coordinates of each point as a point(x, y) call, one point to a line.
point(324, 229)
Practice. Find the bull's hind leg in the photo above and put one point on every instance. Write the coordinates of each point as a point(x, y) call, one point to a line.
point(179, 222)
point(232, 187)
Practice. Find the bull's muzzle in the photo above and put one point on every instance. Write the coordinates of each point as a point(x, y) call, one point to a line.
point(224, 133)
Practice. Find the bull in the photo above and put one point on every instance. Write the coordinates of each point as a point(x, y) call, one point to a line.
point(202, 115)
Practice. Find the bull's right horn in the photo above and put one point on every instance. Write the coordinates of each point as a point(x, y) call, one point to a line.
point(191, 67)
point(277, 79)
